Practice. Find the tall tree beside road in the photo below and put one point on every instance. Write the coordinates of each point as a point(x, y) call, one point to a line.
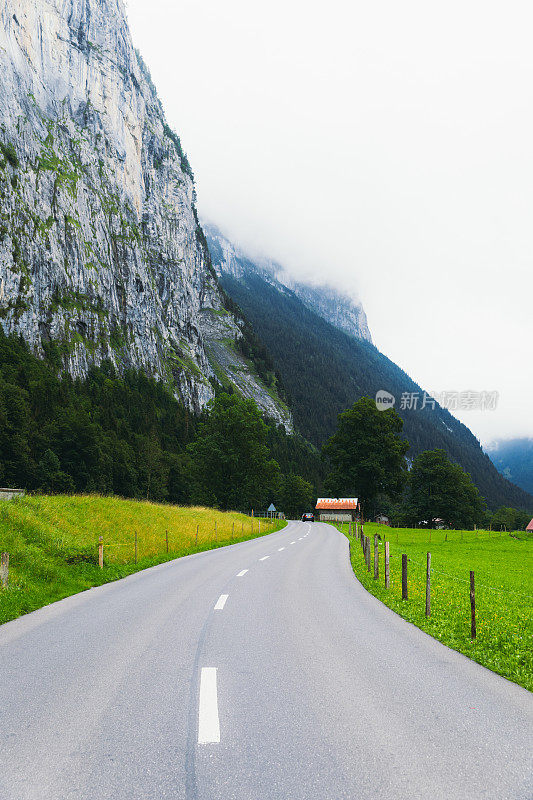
point(230, 465)
point(439, 489)
point(367, 454)
point(295, 496)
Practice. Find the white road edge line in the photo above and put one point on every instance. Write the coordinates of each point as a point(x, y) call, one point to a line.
point(264, 558)
point(208, 722)
point(241, 573)
point(293, 542)
point(221, 602)
point(280, 549)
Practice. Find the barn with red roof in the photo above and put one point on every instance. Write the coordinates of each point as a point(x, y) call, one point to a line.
point(337, 509)
point(530, 526)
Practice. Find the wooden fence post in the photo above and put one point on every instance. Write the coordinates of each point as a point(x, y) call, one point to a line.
point(101, 552)
point(472, 606)
point(349, 529)
point(197, 535)
point(4, 569)
point(404, 577)
point(428, 585)
point(376, 557)
point(368, 556)
point(166, 536)
point(387, 568)
point(135, 546)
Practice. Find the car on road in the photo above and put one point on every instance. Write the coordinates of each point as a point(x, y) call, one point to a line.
point(308, 517)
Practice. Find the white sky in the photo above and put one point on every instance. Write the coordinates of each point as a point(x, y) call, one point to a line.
point(386, 147)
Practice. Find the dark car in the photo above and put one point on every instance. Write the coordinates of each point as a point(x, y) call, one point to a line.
point(308, 517)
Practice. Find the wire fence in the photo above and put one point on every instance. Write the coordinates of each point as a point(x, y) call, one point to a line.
point(105, 551)
point(202, 537)
point(423, 588)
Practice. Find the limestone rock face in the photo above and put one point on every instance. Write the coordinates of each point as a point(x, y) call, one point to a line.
point(101, 253)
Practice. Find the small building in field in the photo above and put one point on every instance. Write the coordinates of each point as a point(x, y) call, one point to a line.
point(9, 494)
point(337, 509)
point(530, 526)
point(382, 519)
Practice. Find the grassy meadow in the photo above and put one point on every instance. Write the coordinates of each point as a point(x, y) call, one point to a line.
point(52, 542)
point(502, 563)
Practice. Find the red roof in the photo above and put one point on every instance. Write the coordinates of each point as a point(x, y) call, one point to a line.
point(336, 503)
point(530, 526)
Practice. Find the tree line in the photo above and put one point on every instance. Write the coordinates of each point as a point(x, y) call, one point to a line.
point(367, 454)
point(127, 435)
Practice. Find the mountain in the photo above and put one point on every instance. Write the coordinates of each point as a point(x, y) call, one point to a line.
point(341, 311)
point(101, 252)
point(334, 307)
point(324, 371)
point(513, 458)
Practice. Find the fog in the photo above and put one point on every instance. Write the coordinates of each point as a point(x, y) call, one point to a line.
point(383, 147)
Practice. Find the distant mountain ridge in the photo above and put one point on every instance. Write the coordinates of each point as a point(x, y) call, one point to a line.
point(324, 371)
point(513, 458)
point(342, 311)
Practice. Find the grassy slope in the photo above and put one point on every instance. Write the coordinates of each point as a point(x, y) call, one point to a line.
point(53, 542)
point(504, 591)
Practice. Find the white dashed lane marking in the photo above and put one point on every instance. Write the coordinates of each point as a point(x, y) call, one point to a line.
point(221, 602)
point(208, 722)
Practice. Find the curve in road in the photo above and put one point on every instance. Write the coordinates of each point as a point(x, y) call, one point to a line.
point(259, 670)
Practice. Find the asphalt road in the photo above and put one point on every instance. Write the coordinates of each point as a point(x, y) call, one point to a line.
point(288, 682)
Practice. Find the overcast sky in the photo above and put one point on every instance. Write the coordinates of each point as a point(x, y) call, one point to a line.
point(386, 147)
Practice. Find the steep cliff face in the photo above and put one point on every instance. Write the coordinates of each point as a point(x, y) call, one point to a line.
point(101, 252)
point(341, 311)
point(338, 309)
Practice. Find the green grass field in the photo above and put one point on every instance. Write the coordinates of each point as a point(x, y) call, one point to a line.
point(504, 591)
point(53, 542)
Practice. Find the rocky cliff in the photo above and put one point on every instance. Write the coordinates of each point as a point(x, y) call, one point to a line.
point(339, 309)
point(101, 253)
point(336, 308)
